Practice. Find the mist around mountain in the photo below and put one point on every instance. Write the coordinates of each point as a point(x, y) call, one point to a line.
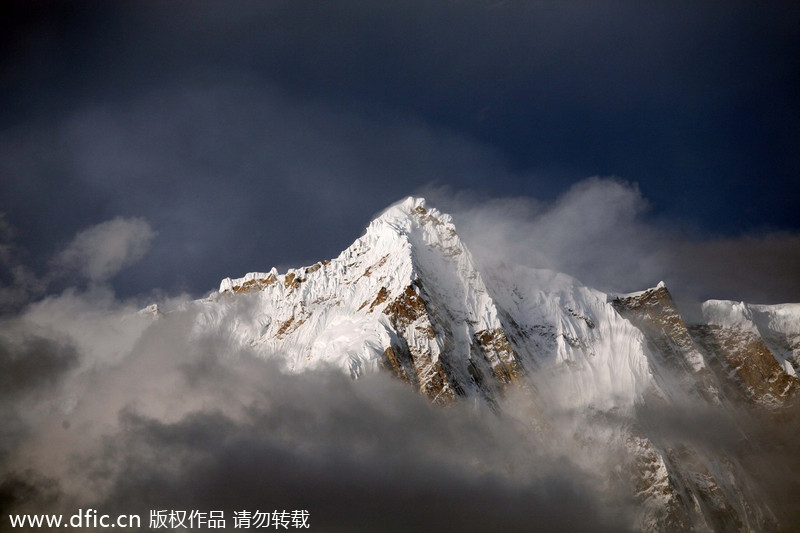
point(406, 384)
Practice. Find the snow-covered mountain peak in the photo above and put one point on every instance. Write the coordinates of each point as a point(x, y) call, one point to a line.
point(660, 287)
point(412, 209)
point(414, 221)
point(405, 295)
point(407, 236)
point(404, 210)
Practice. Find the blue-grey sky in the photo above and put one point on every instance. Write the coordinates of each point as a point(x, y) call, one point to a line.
point(239, 136)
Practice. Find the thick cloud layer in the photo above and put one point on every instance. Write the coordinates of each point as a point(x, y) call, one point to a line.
point(176, 421)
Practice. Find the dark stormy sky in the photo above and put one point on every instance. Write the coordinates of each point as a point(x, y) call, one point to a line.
point(208, 139)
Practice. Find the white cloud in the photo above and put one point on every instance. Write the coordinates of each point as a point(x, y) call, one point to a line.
point(594, 232)
point(100, 252)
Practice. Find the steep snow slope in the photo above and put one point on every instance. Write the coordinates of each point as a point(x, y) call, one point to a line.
point(583, 352)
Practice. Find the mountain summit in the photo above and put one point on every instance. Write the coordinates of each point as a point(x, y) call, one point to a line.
point(407, 297)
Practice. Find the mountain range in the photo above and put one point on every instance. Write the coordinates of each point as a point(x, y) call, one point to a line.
point(683, 414)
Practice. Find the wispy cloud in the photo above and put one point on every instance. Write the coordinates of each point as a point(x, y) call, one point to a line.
point(100, 252)
point(602, 232)
point(94, 256)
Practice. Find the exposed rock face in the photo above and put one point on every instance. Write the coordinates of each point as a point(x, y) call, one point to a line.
point(495, 349)
point(655, 314)
point(720, 368)
point(409, 315)
point(669, 341)
point(408, 298)
point(744, 363)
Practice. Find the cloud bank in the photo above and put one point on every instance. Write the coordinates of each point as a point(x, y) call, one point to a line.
point(173, 420)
